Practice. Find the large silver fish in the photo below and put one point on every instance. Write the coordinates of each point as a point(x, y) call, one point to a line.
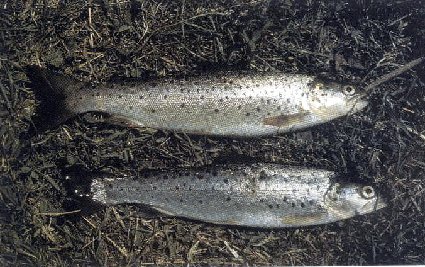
point(259, 195)
point(226, 104)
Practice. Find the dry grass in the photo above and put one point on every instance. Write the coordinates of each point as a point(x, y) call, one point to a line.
point(101, 40)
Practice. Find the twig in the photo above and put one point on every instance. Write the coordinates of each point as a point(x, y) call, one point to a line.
point(56, 214)
point(394, 73)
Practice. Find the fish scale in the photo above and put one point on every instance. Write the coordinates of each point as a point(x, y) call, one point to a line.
point(258, 195)
point(239, 104)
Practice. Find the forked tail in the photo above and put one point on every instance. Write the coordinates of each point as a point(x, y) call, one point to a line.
point(51, 91)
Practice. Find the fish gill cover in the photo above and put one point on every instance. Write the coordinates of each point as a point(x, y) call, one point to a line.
point(347, 41)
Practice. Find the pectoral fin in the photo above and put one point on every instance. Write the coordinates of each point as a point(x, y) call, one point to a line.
point(287, 120)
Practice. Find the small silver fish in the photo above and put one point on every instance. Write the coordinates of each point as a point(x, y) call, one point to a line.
point(226, 104)
point(259, 195)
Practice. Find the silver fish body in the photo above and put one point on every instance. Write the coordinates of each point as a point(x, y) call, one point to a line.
point(228, 104)
point(259, 195)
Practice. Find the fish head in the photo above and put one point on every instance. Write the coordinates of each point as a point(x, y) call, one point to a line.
point(347, 200)
point(330, 100)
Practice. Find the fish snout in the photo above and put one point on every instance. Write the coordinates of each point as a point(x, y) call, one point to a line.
point(358, 103)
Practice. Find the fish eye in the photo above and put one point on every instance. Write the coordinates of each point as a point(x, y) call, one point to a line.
point(367, 192)
point(349, 90)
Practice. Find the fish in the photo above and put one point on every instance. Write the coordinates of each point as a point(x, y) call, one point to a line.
point(260, 195)
point(232, 104)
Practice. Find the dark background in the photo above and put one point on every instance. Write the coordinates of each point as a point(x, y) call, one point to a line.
point(98, 41)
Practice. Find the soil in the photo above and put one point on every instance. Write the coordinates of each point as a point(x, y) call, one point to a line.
point(98, 41)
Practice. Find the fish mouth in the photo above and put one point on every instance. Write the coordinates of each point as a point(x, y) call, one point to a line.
point(358, 103)
point(373, 206)
point(380, 204)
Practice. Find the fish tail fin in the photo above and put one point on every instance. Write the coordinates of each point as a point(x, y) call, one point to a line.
point(51, 90)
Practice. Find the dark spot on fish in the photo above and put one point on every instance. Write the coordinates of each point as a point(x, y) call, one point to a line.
point(302, 205)
point(214, 173)
point(199, 176)
point(221, 100)
point(285, 199)
point(166, 199)
point(268, 101)
point(226, 181)
point(165, 96)
point(250, 97)
point(263, 175)
point(261, 200)
point(177, 187)
point(268, 114)
point(228, 199)
point(141, 97)
point(293, 204)
point(216, 110)
point(288, 100)
point(92, 95)
point(311, 202)
point(277, 206)
point(258, 109)
point(110, 185)
point(202, 97)
point(200, 202)
point(97, 94)
point(248, 114)
point(121, 189)
point(227, 97)
point(119, 96)
point(279, 108)
point(182, 105)
point(285, 120)
point(270, 206)
point(181, 200)
point(154, 187)
point(190, 188)
point(153, 111)
point(130, 107)
point(165, 177)
point(239, 107)
point(182, 90)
